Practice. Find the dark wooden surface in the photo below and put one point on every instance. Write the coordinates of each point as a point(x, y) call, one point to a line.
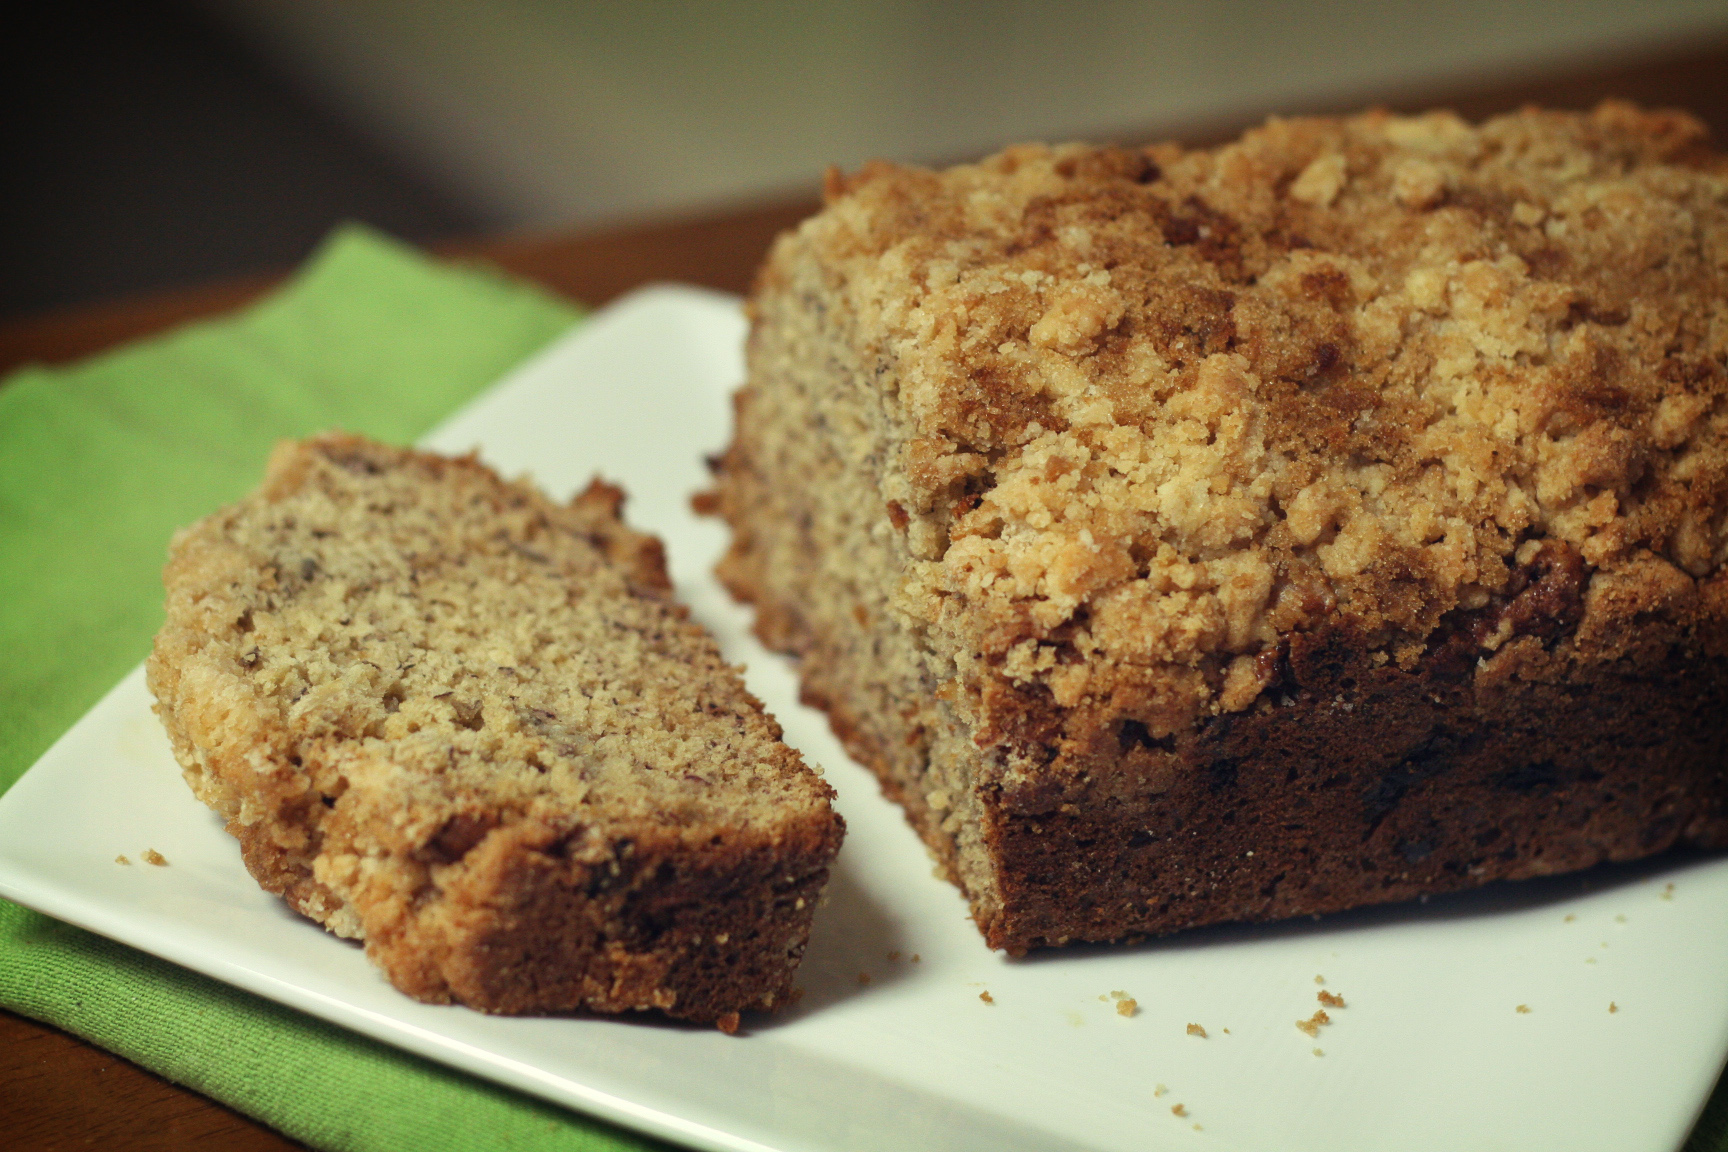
point(57, 1092)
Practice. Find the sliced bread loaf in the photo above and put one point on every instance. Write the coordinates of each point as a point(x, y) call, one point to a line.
point(469, 726)
point(1333, 517)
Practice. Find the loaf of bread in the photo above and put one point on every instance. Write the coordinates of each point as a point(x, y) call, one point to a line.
point(1328, 518)
point(469, 726)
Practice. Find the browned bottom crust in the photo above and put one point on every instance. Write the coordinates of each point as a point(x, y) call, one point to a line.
point(1360, 785)
point(553, 925)
point(1371, 785)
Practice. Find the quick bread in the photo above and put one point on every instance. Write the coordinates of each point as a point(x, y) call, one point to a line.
point(469, 726)
point(1331, 517)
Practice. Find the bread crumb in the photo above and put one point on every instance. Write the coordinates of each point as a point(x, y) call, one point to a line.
point(986, 997)
point(1613, 1007)
point(151, 856)
point(1178, 1109)
point(916, 958)
point(1331, 999)
point(727, 1022)
point(1126, 1006)
point(1319, 1052)
point(1321, 181)
point(1226, 1031)
point(1570, 917)
point(1312, 1025)
point(1159, 1090)
point(1319, 979)
point(1197, 1128)
point(122, 860)
point(893, 956)
point(1196, 1030)
point(863, 977)
point(1668, 892)
point(1523, 1009)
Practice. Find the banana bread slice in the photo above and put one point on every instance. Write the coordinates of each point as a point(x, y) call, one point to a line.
point(1332, 517)
point(469, 726)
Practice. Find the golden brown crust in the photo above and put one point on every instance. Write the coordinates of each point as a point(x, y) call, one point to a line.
point(469, 726)
point(1164, 407)
point(1139, 427)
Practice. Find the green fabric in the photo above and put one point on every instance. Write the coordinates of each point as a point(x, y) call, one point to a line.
point(99, 463)
point(314, 1081)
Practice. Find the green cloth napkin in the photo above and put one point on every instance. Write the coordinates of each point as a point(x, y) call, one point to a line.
point(99, 463)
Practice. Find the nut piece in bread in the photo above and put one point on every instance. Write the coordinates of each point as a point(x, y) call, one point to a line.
point(1331, 517)
point(470, 727)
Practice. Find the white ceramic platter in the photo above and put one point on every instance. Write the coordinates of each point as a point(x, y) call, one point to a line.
point(892, 1045)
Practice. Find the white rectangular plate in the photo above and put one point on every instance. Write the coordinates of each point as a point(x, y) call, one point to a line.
point(1576, 1013)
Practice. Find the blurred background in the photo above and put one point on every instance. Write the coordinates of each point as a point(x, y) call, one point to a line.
point(151, 143)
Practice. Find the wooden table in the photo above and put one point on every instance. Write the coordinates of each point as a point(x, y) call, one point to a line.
point(57, 1092)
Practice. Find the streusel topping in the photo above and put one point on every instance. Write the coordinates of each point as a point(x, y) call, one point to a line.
point(1163, 407)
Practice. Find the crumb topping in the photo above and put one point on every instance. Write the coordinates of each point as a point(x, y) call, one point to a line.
point(1164, 407)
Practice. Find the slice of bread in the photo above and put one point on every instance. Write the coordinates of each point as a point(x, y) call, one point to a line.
point(469, 726)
